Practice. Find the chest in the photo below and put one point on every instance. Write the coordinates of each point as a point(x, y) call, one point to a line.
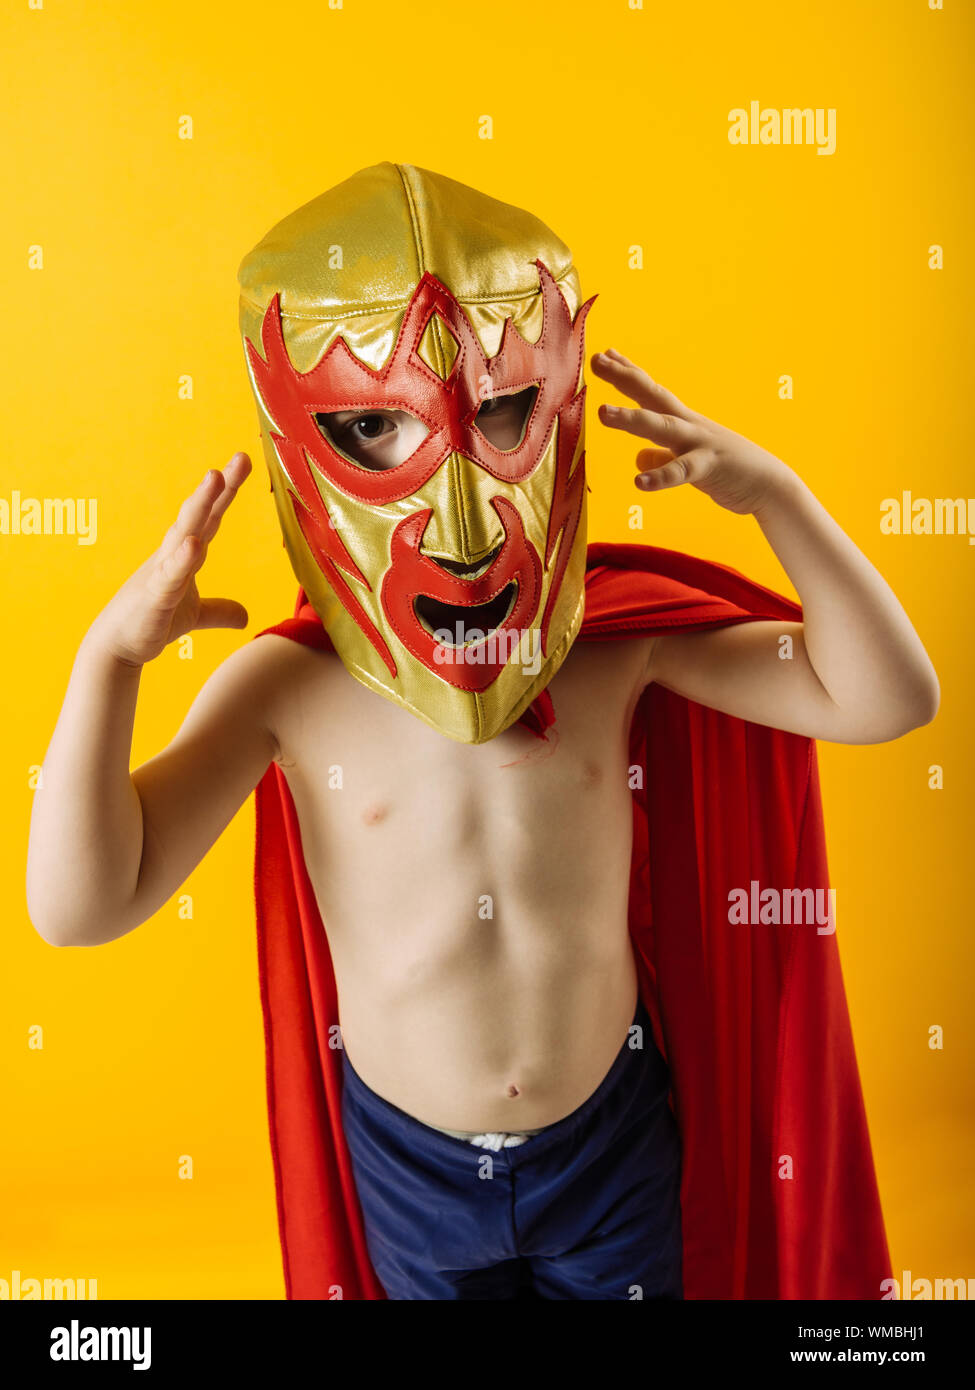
point(366, 771)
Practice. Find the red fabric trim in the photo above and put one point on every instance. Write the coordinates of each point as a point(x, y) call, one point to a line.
point(753, 1020)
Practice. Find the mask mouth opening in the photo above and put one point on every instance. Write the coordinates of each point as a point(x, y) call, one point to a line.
point(464, 570)
point(461, 625)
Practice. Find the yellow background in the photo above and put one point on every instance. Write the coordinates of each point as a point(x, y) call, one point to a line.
point(610, 124)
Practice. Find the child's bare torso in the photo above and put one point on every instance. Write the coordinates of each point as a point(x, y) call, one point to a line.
point(474, 896)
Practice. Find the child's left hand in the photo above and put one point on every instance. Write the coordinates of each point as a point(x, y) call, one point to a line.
point(858, 672)
point(733, 471)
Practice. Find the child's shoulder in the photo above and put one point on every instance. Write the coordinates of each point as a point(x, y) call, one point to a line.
point(279, 660)
point(265, 674)
point(600, 670)
point(261, 692)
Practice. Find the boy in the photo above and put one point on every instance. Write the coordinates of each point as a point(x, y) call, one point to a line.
point(416, 351)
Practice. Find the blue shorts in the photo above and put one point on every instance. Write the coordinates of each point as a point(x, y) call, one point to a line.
point(588, 1207)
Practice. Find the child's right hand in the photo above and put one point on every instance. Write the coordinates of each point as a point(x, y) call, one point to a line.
point(160, 601)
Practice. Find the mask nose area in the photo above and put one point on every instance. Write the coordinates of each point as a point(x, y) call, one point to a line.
point(464, 529)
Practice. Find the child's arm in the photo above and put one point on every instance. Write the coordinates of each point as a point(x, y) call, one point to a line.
point(107, 847)
point(857, 672)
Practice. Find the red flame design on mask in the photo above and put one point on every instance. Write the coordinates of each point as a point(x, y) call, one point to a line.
point(411, 573)
point(340, 381)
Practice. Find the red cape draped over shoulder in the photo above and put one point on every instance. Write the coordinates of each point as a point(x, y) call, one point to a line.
point(778, 1193)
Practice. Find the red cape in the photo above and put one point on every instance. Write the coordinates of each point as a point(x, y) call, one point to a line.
point(751, 1019)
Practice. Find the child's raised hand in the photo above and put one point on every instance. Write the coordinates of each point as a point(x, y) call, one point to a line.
point(733, 471)
point(160, 602)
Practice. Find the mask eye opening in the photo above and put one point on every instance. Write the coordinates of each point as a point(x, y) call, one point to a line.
point(370, 453)
point(505, 427)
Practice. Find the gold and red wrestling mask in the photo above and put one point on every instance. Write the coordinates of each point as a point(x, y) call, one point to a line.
point(416, 351)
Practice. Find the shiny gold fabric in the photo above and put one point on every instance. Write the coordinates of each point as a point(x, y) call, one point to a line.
point(346, 266)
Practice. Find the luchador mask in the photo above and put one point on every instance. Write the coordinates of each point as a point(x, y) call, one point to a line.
point(416, 351)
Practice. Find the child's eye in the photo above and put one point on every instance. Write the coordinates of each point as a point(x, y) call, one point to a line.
point(494, 405)
point(502, 419)
point(371, 426)
point(375, 439)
